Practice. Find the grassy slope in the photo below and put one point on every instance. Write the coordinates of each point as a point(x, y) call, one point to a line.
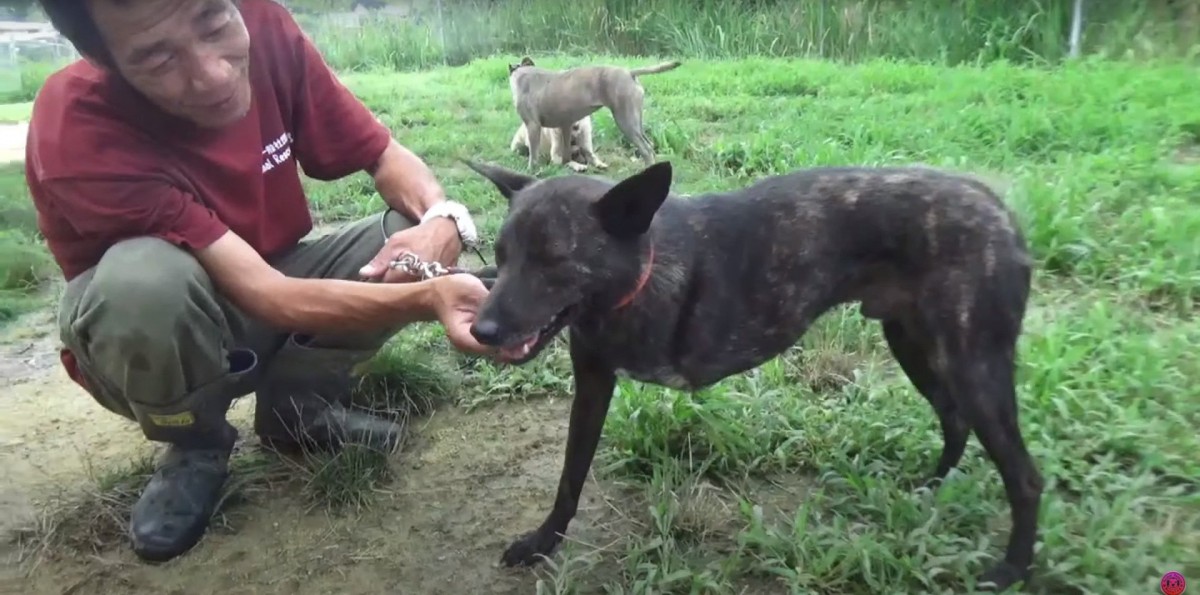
point(1099, 163)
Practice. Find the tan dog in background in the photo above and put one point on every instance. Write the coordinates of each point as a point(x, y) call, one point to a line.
point(559, 98)
point(579, 151)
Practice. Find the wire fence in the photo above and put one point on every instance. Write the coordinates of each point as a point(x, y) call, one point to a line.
point(23, 42)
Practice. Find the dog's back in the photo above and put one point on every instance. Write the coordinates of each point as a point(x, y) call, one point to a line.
point(759, 264)
point(572, 93)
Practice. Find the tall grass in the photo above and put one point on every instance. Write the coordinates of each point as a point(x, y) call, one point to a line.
point(949, 33)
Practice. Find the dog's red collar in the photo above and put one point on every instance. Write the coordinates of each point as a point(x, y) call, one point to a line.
point(641, 282)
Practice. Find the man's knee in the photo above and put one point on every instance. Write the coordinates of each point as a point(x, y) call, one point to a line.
point(146, 321)
point(143, 289)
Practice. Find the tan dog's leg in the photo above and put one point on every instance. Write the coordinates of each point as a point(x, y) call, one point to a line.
point(627, 113)
point(561, 142)
point(556, 145)
point(534, 131)
point(551, 136)
point(586, 146)
point(518, 140)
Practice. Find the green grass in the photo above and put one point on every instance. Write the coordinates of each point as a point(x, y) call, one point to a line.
point(1100, 161)
point(25, 265)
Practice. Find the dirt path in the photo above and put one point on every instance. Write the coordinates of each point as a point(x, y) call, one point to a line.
point(469, 482)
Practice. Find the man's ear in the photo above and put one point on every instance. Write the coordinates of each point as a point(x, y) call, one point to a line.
point(507, 181)
point(627, 209)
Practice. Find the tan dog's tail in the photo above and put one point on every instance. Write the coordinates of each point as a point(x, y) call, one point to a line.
point(657, 68)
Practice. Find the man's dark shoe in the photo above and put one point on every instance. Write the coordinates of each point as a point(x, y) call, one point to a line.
point(174, 509)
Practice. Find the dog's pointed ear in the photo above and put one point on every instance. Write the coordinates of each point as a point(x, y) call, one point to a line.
point(526, 61)
point(627, 209)
point(507, 181)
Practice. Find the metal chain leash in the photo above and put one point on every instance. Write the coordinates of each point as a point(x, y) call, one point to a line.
point(413, 265)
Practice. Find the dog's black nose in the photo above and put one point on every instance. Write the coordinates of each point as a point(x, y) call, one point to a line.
point(486, 331)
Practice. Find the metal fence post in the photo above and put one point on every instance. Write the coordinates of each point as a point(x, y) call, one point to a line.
point(1076, 27)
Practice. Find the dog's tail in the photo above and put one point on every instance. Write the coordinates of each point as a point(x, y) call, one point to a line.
point(657, 68)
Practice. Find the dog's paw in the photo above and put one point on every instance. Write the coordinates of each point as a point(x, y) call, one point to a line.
point(1002, 577)
point(929, 483)
point(529, 549)
point(576, 166)
point(600, 164)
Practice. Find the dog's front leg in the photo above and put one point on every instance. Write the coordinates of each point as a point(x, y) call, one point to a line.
point(589, 152)
point(533, 132)
point(594, 384)
point(517, 141)
point(557, 146)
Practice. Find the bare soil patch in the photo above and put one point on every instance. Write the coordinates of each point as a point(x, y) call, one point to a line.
point(466, 484)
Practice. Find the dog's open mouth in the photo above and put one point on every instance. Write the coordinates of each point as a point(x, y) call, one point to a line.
point(527, 347)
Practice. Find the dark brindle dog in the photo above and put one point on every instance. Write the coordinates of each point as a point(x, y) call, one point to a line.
point(686, 292)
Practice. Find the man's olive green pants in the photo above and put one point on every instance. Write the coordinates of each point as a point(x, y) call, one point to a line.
point(157, 344)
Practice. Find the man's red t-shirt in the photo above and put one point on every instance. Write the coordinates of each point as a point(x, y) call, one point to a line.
point(103, 164)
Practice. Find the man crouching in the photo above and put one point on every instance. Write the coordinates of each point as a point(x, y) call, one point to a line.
point(164, 171)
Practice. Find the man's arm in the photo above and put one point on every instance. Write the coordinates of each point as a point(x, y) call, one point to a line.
point(310, 305)
point(405, 182)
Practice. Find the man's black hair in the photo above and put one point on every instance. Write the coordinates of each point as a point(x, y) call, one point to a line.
point(74, 21)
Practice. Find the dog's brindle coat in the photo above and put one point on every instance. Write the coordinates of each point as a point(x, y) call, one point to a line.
point(735, 278)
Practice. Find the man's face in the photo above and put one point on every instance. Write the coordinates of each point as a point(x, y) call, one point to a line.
point(189, 57)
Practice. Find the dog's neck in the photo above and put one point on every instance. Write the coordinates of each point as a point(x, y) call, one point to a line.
point(641, 283)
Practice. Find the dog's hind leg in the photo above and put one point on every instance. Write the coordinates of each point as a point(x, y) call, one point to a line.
point(594, 385)
point(985, 382)
point(628, 115)
point(913, 359)
point(975, 322)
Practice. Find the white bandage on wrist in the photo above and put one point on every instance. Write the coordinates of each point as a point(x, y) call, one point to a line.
point(458, 213)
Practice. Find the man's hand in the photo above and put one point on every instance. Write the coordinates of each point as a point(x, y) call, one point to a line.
point(457, 299)
point(435, 240)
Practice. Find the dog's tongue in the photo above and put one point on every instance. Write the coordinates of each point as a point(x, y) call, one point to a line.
point(518, 351)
